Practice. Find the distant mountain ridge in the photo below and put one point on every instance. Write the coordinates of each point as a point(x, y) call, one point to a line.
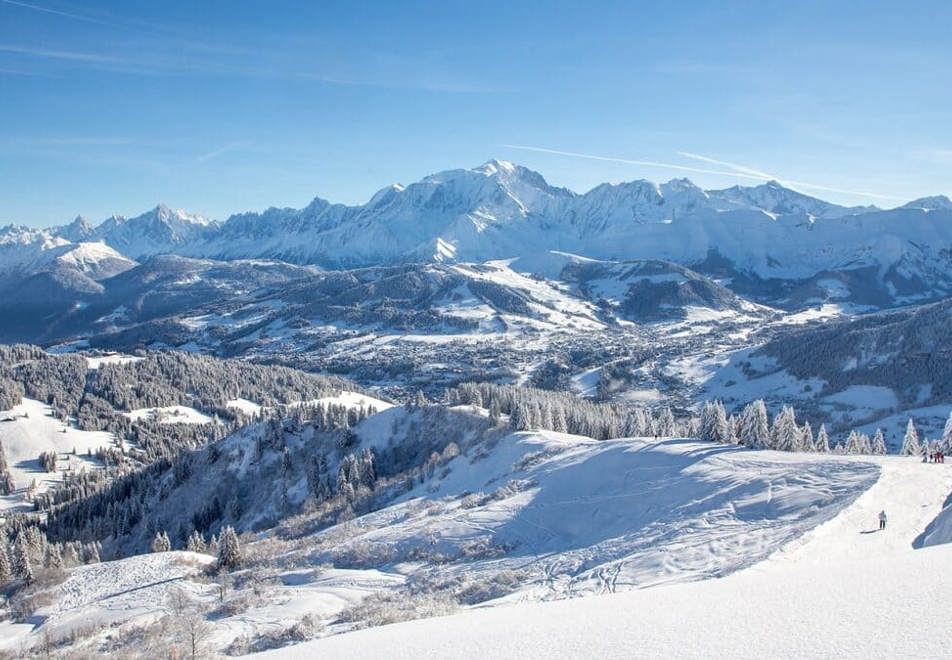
point(768, 238)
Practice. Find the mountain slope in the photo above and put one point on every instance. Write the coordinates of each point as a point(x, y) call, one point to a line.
point(865, 578)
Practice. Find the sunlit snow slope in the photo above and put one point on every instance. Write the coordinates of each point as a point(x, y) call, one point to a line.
point(839, 591)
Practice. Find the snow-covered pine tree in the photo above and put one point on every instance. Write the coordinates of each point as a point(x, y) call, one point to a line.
point(910, 442)
point(5, 570)
point(807, 442)
point(229, 551)
point(54, 558)
point(755, 425)
point(6, 479)
point(196, 543)
point(213, 546)
point(722, 429)
point(161, 542)
point(70, 556)
point(853, 443)
point(947, 435)
point(879, 443)
point(714, 425)
point(666, 423)
point(822, 443)
point(519, 418)
point(785, 435)
point(22, 568)
point(93, 551)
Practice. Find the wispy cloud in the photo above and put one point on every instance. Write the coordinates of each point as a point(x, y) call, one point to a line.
point(78, 56)
point(189, 60)
point(13, 71)
point(221, 151)
point(56, 12)
point(182, 50)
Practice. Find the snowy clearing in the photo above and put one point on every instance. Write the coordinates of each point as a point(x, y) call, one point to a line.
point(170, 415)
point(96, 361)
point(29, 429)
point(348, 399)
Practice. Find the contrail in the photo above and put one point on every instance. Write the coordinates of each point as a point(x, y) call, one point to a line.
point(734, 170)
point(787, 182)
point(627, 161)
point(733, 166)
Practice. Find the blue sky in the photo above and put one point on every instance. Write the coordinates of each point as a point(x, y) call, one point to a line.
point(225, 106)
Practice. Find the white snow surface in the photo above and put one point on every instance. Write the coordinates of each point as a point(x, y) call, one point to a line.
point(585, 516)
point(170, 415)
point(29, 429)
point(837, 591)
point(635, 527)
point(96, 361)
point(349, 400)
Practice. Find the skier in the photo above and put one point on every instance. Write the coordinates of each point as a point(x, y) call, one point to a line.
point(882, 520)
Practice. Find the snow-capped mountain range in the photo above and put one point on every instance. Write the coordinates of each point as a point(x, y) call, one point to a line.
point(501, 210)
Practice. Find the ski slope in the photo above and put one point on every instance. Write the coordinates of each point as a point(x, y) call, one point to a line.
point(842, 590)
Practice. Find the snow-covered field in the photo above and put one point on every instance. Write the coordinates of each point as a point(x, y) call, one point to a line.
point(349, 400)
point(580, 516)
point(28, 430)
point(842, 590)
point(110, 594)
point(171, 415)
point(96, 361)
point(624, 536)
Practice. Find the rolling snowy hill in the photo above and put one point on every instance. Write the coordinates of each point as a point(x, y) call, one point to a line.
point(516, 519)
point(834, 591)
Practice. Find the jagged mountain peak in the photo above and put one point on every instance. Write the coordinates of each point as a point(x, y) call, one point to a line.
point(78, 230)
point(495, 165)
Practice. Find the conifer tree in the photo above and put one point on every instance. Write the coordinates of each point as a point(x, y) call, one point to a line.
point(22, 568)
point(5, 570)
point(910, 442)
point(879, 443)
point(666, 423)
point(714, 425)
point(822, 440)
point(196, 543)
point(947, 435)
point(229, 551)
point(785, 434)
point(213, 546)
point(853, 444)
point(755, 425)
point(807, 442)
point(161, 542)
point(54, 558)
